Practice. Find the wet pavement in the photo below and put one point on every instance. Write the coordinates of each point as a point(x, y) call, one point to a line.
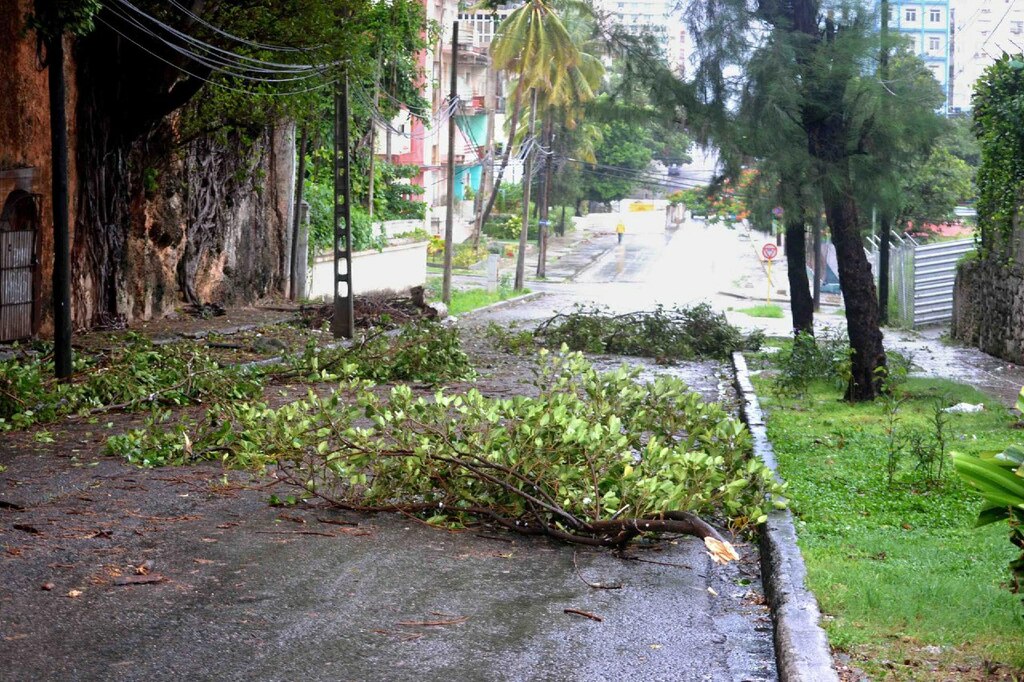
point(241, 590)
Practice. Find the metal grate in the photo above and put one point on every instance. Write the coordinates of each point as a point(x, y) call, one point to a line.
point(19, 222)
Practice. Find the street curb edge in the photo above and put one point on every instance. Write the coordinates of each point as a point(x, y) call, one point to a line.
point(801, 646)
point(500, 304)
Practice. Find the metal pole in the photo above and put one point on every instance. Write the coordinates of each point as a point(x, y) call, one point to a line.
point(293, 290)
point(883, 246)
point(446, 283)
point(62, 353)
point(343, 322)
point(527, 177)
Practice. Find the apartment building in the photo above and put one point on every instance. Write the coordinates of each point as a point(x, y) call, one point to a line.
point(927, 24)
point(982, 31)
point(658, 18)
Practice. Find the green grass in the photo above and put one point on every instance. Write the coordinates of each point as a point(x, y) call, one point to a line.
point(900, 572)
point(464, 300)
point(763, 310)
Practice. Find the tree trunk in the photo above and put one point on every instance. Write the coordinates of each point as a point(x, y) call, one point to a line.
point(801, 303)
point(859, 296)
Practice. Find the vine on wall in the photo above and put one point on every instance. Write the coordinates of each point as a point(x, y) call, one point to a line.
point(999, 125)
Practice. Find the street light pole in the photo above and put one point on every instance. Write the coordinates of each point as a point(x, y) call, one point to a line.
point(449, 227)
point(62, 353)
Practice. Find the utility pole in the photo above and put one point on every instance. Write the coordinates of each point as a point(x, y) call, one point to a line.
point(884, 219)
point(62, 353)
point(343, 321)
point(449, 218)
point(527, 181)
point(543, 221)
point(487, 171)
point(293, 288)
point(816, 241)
point(373, 142)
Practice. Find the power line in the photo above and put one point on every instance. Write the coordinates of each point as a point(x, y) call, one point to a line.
point(218, 84)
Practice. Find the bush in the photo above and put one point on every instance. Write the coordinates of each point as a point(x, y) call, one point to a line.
point(594, 458)
point(321, 222)
point(679, 333)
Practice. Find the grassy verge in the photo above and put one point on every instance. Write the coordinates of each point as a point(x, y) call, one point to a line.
point(909, 588)
point(763, 310)
point(464, 300)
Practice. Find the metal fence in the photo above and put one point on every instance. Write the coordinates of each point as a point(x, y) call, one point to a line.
point(921, 278)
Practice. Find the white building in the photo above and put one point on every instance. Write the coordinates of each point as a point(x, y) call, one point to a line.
point(982, 30)
point(659, 18)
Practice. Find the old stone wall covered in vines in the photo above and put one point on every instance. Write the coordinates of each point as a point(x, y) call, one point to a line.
point(156, 220)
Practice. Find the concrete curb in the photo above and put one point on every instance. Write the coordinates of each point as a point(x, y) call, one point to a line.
point(801, 647)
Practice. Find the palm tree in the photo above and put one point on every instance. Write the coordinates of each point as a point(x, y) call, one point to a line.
point(533, 44)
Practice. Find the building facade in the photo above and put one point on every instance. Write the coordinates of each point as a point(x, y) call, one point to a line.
point(982, 31)
point(658, 18)
point(926, 23)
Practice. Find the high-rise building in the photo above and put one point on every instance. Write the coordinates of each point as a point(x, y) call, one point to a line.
point(927, 24)
point(657, 18)
point(982, 31)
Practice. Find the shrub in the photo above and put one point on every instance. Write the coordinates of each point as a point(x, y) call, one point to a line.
point(677, 333)
point(595, 458)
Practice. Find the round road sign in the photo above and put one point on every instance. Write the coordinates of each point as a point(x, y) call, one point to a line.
point(769, 251)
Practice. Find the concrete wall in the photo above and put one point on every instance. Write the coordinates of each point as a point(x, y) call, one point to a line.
point(988, 308)
point(395, 267)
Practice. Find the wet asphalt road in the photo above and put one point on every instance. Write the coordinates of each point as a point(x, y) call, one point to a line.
point(252, 593)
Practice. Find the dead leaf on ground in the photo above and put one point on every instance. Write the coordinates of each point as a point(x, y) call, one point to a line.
point(74, 594)
point(140, 579)
point(721, 552)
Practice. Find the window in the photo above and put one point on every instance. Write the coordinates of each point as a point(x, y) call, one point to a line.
point(910, 15)
point(934, 15)
point(934, 44)
point(1017, 27)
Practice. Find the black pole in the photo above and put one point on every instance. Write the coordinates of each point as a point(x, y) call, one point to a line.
point(884, 222)
point(343, 322)
point(449, 228)
point(62, 354)
point(300, 180)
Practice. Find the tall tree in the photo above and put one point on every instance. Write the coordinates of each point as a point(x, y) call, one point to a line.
point(534, 47)
point(836, 113)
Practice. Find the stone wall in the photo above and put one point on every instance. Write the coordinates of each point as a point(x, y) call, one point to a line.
point(239, 248)
point(988, 308)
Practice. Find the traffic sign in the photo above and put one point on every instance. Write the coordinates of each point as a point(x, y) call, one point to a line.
point(769, 251)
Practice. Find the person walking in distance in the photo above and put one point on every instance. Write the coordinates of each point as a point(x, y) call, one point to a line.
point(620, 230)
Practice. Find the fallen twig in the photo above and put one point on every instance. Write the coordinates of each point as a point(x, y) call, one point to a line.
point(434, 623)
point(585, 614)
point(297, 532)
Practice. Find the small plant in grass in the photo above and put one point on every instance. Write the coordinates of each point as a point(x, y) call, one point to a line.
point(594, 458)
point(808, 359)
point(768, 310)
point(894, 439)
